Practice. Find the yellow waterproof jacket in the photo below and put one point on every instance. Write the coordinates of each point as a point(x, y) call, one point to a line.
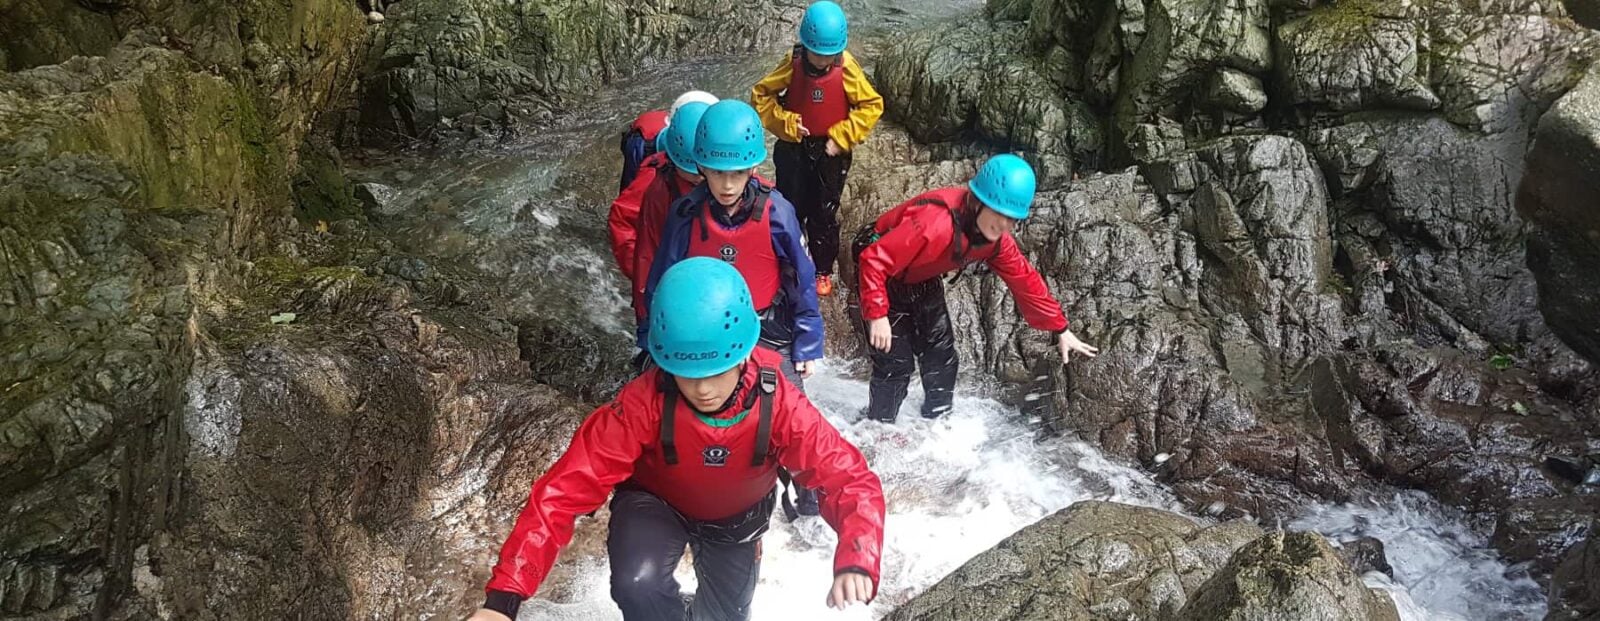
point(866, 105)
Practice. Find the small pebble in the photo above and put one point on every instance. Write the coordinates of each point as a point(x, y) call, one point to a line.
point(375, 17)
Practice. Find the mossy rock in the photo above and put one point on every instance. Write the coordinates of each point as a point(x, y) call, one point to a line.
point(1288, 577)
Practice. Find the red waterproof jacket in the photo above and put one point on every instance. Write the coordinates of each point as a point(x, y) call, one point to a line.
point(924, 238)
point(637, 217)
point(621, 441)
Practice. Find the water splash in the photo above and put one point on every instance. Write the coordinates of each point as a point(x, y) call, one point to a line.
point(1440, 559)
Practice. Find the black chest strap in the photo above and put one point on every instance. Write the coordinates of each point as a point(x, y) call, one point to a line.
point(768, 387)
point(769, 391)
point(669, 427)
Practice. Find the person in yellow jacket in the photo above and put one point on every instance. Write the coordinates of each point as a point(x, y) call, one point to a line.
point(820, 105)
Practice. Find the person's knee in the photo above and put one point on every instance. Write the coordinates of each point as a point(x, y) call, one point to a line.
point(641, 583)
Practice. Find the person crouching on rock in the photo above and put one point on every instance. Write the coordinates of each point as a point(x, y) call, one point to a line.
point(820, 105)
point(901, 259)
point(692, 448)
point(641, 210)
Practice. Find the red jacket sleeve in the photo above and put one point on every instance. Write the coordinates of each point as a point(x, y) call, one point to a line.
point(888, 256)
point(850, 494)
point(625, 217)
point(601, 455)
point(1039, 308)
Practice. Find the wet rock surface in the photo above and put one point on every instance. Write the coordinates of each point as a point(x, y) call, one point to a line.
point(1565, 241)
point(1575, 587)
point(209, 406)
point(1319, 269)
point(1101, 560)
point(447, 67)
point(1287, 576)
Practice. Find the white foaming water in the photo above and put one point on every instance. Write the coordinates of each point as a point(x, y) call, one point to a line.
point(959, 485)
point(1444, 566)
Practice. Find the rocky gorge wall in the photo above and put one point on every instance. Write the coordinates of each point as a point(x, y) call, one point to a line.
point(482, 67)
point(1320, 244)
point(1306, 275)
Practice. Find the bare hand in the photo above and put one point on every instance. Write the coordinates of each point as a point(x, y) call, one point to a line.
point(878, 334)
point(806, 368)
point(1069, 343)
point(484, 614)
point(804, 132)
point(848, 588)
point(833, 148)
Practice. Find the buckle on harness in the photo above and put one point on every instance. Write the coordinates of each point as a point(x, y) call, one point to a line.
point(769, 381)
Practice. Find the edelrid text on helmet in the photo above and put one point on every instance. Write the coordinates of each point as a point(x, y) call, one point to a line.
point(701, 319)
point(1005, 184)
point(730, 137)
point(824, 29)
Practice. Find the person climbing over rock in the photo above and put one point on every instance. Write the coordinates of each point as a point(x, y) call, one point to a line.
point(901, 259)
point(820, 105)
point(737, 217)
point(639, 212)
point(692, 448)
point(641, 138)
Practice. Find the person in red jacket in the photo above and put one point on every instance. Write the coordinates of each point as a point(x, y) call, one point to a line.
point(901, 259)
point(641, 210)
point(692, 448)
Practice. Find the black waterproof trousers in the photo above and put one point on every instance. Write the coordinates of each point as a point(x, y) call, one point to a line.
point(646, 542)
point(813, 182)
point(920, 322)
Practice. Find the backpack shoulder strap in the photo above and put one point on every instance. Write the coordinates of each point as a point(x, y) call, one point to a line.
point(769, 391)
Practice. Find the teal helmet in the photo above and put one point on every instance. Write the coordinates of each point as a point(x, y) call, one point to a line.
point(1005, 184)
point(680, 136)
point(729, 137)
point(824, 30)
point(701, 319)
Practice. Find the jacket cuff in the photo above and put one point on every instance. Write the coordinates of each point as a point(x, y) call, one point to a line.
point(503, 602)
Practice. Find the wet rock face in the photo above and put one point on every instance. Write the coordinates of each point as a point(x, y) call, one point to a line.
point(344, 476)
point(1540, 530)
point(972, 80)
point(1356, 302)
point(1091, 560)
point(1100, 560)
point(1436, 209)
point(1575, 587)
point(447, 66)
point(1282, 576)
point(1563, 173)
point(130, 184)
point(1485, 66)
